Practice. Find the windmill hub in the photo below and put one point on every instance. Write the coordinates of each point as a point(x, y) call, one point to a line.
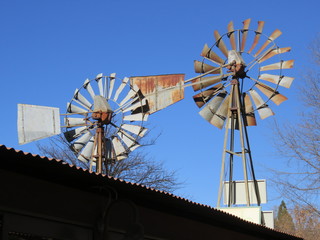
point(237, 64)
point(102, 110)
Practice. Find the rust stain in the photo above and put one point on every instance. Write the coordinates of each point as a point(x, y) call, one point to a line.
point(160, 90)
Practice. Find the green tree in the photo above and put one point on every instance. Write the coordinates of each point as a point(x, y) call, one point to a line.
point(284, 221)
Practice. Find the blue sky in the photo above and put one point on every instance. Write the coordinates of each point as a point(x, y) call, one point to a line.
point(48, 48)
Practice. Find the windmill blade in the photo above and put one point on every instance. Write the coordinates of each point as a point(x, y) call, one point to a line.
point(86, 153)
point(209, 110)
point(118, 147)
point(131, 94)
point(120, 88)
point(108, 154)
point(37, 122)
point(279, 65)
point(136, 105)
point(205, 96)
point(272, 37)
point(135, 147)
point(81, 142)
point(88, 87)
point(221, 114)
point(136, 117)
point(276, 79)
point(257, 37)
point(273, 53)
point(128, 141)
point(74, 133)
point(78, 96)
point(263, 109)
point(231, 34)
point(200, 67)
point(137, 130)
point(249, 112)
point(111, 86)
point(220, 43)
point(208, 53)
point(203, 82)
point(271, 93)
point(75, 109)
point(100, 83)
point(71, 122)
point(246, 24)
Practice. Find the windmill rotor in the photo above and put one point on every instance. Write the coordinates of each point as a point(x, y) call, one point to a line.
point(112, 114)
point(249, 63)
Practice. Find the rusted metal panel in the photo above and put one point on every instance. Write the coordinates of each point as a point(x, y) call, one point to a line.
point(160, 90)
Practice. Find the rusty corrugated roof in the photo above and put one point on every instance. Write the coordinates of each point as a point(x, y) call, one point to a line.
point(58, 171)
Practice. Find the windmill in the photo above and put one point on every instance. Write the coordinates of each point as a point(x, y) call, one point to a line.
point(233, 95)
point(103, 123)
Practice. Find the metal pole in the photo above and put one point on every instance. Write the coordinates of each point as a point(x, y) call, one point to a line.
point(243, 150)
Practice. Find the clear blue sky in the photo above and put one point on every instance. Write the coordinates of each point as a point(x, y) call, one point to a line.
point(48, 48)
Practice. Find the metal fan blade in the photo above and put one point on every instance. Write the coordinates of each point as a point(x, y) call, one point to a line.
point(272, 37)
point(131, 94)
point(136, 117)
point(201, 83)
point(273, 53)
point(279, 65)
point(111, 86)
point(276, 79)
point(135, 147)
point(257, 37)
point(88, 87)
point(208, 53)
point(109, 155)
point(120, 88)
point(200, 67)
point(86, 153)
point(271, 93)
point(231, 34)
point(78, 96)
point(100, 83)
point(209, 110)
point(136, 105)
point(75, 109)
point(220, 43)
point(74, 133)
point(70, 122)
point(249, 112)
point(221, 114)
point(81, 142)
point(263, 109)
point(118, 147)
point(246, 24)
point(205, 96)
point(128, 140)
point(137, 130)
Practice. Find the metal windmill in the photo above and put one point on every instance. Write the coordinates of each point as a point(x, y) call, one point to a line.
point(226, 98)
point(103, 123)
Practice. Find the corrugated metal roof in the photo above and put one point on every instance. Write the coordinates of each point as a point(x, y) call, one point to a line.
point(58, 171)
